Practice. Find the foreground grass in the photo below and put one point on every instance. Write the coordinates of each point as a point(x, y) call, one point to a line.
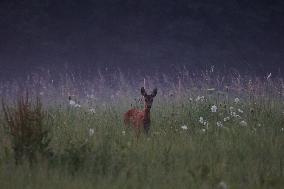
point(93, 149)
point(241, 145)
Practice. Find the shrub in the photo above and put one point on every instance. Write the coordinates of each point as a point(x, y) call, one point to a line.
point(24, 125)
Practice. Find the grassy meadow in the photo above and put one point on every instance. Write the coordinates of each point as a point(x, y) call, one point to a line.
point(207, 131)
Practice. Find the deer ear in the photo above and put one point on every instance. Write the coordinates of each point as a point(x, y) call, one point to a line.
point(143, 92)
point(154, 93)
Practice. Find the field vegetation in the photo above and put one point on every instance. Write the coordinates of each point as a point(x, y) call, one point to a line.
point(207, 131)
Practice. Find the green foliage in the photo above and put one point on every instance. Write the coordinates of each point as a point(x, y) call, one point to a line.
point(91, 148)
point(25, 127)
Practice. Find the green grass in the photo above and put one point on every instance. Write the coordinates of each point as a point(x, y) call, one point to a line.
point(231, 156)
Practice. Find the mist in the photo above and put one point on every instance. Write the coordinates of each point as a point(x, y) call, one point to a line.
point(141, 36)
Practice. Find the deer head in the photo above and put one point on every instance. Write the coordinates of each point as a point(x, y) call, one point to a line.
point(148, 99)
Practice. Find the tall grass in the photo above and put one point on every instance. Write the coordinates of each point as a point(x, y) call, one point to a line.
point(90, 148)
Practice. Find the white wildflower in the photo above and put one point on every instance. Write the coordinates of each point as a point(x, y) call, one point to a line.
point(211, 89)
point(234, 114)
point(184, 127)
point(237, 116)
point(77, 105)
point(214, 108)
point(212, 68)
point(243, 123)
point(91, 132)
point(201, 120)
point(123, 133)
point(72, 102)
point(203, 130)
point(226, 119)
point(206, 124)
point(91, 96)
point(241, 111)
point(237, 100)
point(282, 129)
point(199, 98)
point(41, 93)
point(92, 110)
point(269, 76)
point(219, 124)
point(259, 125)
point(222, 185)
point(231, 109)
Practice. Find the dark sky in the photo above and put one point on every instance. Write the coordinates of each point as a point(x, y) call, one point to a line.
point(142, 34)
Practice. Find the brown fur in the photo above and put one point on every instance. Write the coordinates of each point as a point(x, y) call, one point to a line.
point(140, 119)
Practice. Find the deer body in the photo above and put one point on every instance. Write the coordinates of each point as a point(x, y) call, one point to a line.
point(140, 119)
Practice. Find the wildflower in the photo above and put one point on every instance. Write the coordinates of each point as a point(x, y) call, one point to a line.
point(237, 116)
point(222, 185)
point(234, 114)
point(259, 125)
point(41, 93)
point(241, 111)
point(214, 108)
point(269, 76)
point(231, 108)
point(282, 129)
point(203, 130)
point(219, 124)
point(212, 69)
point(237, 100)
point(243, 123)
point(205, 123)
point(91, 132)
point(201, 120)
point(77, 105)
point(92, 110)
point(184, 127)
point(123, 133)
point(211, 89)
point(72, 102)
point(91, 96)
point(226, 119)
point(199, 98)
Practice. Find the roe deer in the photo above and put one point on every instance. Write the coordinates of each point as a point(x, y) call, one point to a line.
point(140, 119)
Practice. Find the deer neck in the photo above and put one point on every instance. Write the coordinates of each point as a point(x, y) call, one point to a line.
point(147, 113)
